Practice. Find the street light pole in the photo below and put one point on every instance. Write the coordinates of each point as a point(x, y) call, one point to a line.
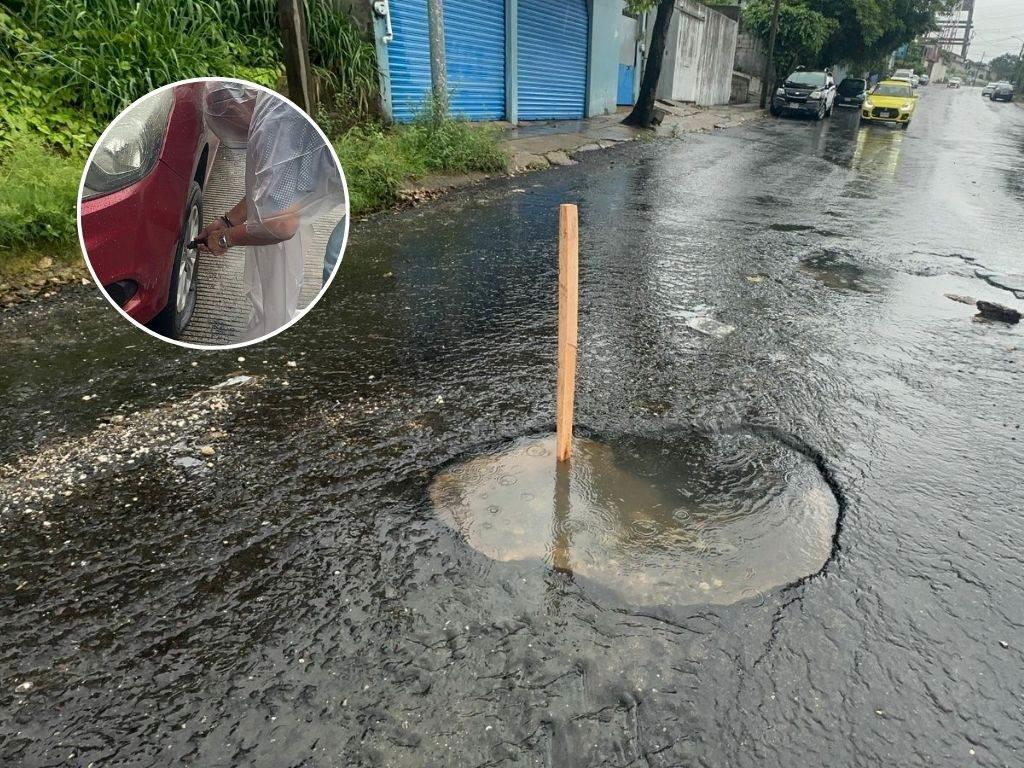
point(769, 65)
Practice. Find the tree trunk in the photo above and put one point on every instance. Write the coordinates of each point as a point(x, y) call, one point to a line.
point(642, 115)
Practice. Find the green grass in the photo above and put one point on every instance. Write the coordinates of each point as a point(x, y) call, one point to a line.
point(377, 161)
point(38, 196)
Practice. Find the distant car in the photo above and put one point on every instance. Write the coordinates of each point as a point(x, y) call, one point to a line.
point(142, 202)
point(915, 81)
point(892, 101)
point(987, 90)
point(925, 80)
point(805, 92)
point(902, 74)
point(852, 92)
point(954, 82)
point(1002, 92)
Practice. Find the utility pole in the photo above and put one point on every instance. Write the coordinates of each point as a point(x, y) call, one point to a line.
point(769, 63)
point(291, 18)
point(438, 72)
point(1020, 67)
point(967, 29)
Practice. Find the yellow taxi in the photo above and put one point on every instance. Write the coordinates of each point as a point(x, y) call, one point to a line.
point(892, 101)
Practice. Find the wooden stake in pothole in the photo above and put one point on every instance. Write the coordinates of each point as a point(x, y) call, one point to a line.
point(568, 310)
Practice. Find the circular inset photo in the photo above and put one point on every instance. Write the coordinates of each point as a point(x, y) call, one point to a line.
point(213, 213)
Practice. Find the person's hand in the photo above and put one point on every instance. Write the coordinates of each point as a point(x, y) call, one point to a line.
point(213, 244)
point(209, 234)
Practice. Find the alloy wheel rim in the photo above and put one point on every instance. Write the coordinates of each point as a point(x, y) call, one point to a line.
point(187, 268)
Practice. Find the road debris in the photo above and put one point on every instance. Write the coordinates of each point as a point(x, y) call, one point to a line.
point(710, 327)
point(994, 311)
point(989, 309)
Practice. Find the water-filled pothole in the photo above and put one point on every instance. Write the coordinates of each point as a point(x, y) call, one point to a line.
point(692, 518)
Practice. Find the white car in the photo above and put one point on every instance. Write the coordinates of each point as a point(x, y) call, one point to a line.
point(915, 81)
point(987, 90)
point(954, 82)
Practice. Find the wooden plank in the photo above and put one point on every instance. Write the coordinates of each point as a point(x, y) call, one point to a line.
point(568, 310)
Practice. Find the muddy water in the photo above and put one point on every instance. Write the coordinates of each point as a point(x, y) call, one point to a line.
point(294, 600)
point(695, 519)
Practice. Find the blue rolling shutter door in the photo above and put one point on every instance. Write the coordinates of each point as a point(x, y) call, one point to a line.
point(408, 58)
point(552, 59)
point(474, 41)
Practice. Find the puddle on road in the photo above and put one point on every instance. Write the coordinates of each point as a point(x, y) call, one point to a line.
point(698, 519)
point(836, 272)
point(791, 227)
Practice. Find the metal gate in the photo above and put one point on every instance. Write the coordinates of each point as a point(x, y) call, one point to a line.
point(408, 58)
point(552, 59)
point(474, 41)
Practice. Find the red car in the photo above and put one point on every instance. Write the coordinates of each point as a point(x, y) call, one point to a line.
point(142, 203)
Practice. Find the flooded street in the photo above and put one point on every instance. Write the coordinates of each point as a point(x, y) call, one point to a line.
point(256, 574)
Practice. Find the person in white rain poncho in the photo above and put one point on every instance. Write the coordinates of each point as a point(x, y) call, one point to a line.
point(290, 179)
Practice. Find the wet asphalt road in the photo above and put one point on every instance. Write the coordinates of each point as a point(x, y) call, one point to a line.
point(290, 599)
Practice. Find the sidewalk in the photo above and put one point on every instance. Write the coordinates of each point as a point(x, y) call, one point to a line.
point(533, 146)
point(539, 145)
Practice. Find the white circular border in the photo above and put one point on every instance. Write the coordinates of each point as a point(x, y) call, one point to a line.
point(290, 323)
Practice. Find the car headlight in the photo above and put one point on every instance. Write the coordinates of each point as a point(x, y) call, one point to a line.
point(780, 92)
point(130, 147)
point(815, 95)
point(868, 104)
point(907, 106)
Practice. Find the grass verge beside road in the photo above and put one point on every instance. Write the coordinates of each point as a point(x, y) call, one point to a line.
point(378, 161)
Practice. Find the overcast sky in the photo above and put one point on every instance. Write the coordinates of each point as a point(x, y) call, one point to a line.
point(995, 24)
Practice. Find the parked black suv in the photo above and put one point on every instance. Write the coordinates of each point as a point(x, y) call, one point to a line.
point(1002, 92)
point(852, 92)
point(805, 92)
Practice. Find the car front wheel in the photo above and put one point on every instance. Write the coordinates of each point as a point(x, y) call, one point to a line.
point(184, 283)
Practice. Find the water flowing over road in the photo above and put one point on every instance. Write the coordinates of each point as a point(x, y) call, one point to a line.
point(254, 574)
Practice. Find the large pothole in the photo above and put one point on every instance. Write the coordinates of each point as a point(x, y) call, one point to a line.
point(692, 518)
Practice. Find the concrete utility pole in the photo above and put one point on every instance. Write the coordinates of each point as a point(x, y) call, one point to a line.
point(769, 64)
point(967, 29)
point(291, 18)
point(438, 72)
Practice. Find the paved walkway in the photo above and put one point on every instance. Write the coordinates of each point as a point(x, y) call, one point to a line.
point(538, 145)
point(222, 311)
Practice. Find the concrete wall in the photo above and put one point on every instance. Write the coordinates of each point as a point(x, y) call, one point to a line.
point(750, 54)
point(699, 56)
point(607, 33)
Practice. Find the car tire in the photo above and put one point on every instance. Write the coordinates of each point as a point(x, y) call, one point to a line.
point(906, 125)
point(184, 283)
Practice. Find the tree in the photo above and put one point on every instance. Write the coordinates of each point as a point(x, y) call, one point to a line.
point(857, 32)
point(642, 115)
point(802, 33)
point(1004, 67)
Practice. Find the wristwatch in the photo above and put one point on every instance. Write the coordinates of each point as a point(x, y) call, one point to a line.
point(222, 241)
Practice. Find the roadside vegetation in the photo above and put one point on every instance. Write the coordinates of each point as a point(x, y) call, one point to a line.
point(826, 32)
point(378, 161)
point(67, 69)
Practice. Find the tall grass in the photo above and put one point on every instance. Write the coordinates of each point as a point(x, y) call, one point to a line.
point(378, 161)
point(98, 56)
point(38, 190)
